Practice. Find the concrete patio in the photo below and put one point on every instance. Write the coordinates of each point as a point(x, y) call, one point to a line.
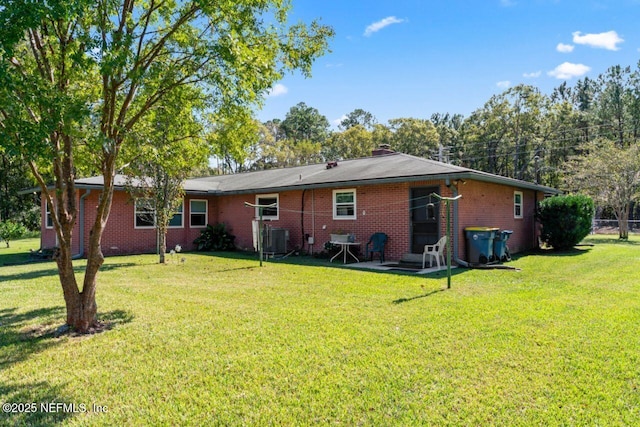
point(395, 266)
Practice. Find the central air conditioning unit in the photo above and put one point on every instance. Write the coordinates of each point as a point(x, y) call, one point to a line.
point(274, 240)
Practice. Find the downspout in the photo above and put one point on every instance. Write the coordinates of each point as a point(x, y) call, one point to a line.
point(313, 219)
point(302, 221)
point(456, 233)
point(535, 219)
point(81, 228)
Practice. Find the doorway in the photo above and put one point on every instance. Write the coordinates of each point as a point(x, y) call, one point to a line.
point(425, 223)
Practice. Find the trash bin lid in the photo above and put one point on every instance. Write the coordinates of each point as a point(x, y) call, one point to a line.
point(481, 229)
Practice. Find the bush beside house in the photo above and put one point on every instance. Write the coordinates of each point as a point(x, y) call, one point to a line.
point(566, 220)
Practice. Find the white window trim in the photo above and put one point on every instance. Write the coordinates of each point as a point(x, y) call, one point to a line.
point(335, 206)
point(135, 216)
point(269, 196)
point(47, 214)
point(206, 213)
point(182, 222)
point(515, 205)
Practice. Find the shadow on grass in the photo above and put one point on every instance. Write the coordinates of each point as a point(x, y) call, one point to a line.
point(571, 252)
point(25, 333)
point(428, 294)
point(611, 240)
point(18, 259)
point(35, 404)
point(50, 272)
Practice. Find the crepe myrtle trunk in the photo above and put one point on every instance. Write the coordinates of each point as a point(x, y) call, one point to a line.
point(622, 215)
point(162, 244)
point(81, 305)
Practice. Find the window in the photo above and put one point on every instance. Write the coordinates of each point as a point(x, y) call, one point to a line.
point(198, 213)
point(176, 219)
point(517, 204)
point(47, 216)
point(145, 213)
point(344, 204)
point(268, 199)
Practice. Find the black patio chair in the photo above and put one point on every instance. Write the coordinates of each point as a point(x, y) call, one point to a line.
point(376, 242)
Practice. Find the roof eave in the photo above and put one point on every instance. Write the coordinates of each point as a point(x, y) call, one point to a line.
point(393, 180)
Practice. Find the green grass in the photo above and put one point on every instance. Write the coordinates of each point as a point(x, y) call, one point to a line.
point(217, 340)
point(18, 251)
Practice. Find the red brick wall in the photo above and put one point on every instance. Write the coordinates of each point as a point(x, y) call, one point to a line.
point(491, 205)
point(120, 236)
point(384, 208)
point(379, 208)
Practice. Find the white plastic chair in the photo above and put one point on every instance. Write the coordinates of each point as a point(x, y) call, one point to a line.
point(436, 251)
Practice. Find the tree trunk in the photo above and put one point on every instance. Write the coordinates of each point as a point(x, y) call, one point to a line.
point(622, 215)
point(162, 245)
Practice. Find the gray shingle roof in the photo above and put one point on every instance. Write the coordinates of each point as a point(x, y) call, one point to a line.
point(388, 168)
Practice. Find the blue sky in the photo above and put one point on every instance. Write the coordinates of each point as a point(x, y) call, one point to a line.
point(410, 58)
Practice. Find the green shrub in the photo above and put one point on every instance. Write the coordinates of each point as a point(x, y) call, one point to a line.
point(215, 238)
point(566, 220)
point(10, 230)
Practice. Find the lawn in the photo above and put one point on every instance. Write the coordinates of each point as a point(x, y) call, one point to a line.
point(217, 340)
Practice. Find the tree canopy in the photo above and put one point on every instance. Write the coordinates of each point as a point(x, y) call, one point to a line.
point(78, 78)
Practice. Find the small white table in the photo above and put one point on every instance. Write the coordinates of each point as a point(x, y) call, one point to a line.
point(345, 249)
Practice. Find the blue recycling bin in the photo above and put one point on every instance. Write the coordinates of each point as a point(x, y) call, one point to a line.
point(480, 244)
point(500, 249)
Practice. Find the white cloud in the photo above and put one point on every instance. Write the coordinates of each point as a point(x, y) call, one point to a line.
point(608, 40)
point(377, 26)
point(532, 75)
point(567, 70)
point(564, 48)
point(337, 122)
point(277, 90)
point(504, 84)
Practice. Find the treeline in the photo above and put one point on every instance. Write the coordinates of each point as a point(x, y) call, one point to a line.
point(520, 133)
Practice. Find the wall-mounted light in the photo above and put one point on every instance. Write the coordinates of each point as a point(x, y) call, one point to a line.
point(431, 211)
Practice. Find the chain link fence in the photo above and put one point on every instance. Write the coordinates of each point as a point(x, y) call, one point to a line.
point(610, 226)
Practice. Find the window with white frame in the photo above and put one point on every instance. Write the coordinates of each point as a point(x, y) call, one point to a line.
point(198, 213)
point(176, 220)
point(344, 204)
point(47, 216)
point(517, 204)
point(265, 200)
point(145, 213)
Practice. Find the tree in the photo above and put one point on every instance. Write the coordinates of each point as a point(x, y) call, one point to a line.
point(612, 100)
point(354, 142)
point(231, 136)
point(10, 230)
point(358, 117)
point(304, 123)
point(448, 128)
point(414, 136)
point(156, 174)
point(610, 175)
point(505, 135)
point(78, 76)
point(14, 176)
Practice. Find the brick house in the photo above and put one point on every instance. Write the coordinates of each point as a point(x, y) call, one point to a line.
point(387, 192)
